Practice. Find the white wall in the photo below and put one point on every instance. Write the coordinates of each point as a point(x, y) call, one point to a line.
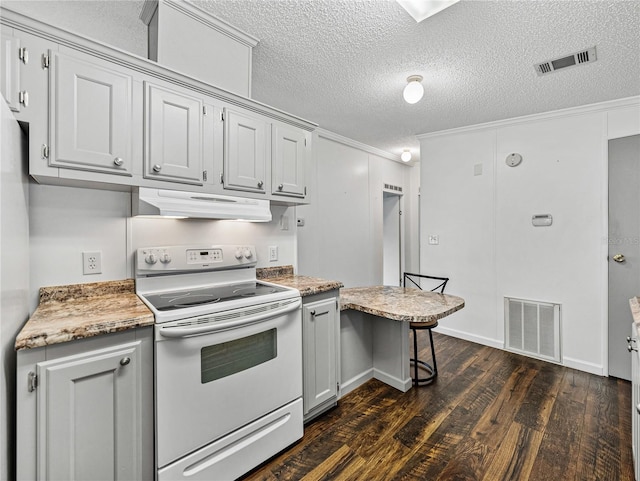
point(65, 221)
point(487, 243)
point(342, 238)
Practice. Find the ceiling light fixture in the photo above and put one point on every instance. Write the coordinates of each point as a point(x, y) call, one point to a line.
point(406, 155)
point(414, 90)
point(421, 9)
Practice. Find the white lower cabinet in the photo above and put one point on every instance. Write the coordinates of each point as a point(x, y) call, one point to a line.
point(320, 352)
point(89, 409)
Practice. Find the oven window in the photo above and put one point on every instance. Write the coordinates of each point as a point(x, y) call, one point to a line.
point(222, 360)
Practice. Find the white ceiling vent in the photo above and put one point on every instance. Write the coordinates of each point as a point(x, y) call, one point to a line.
point(550, 66)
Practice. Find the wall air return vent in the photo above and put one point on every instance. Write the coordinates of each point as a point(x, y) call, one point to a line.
point(579, 58)
point(393, 188)
point(532, 328)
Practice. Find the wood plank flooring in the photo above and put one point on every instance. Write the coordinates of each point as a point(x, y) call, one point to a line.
point(490, 416)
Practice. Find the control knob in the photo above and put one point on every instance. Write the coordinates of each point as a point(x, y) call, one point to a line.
point(239, 254)
point(248, 254)
point(151, 259)
point(165, 258)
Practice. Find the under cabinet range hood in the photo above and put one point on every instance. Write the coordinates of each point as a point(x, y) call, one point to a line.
point(175, 203)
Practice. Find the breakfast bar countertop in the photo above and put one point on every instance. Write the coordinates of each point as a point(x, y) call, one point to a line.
point(78, 311)
point(405, 304)
point(306, 285)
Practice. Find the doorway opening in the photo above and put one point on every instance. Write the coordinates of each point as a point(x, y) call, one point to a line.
point(623, 249)
point(393, 258)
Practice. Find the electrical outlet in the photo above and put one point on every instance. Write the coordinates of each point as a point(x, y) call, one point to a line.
point(273, 253)
point(92, 262)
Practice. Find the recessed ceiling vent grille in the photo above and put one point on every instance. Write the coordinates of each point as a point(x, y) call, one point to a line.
point(578, 58)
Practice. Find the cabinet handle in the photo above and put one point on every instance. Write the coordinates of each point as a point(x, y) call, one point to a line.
point(313, 313)
point(23, 54)
point(631, 348)
point(118, 161)
point(23, 98)
point(260, 184)
point(124, 361)
point(280, 187)
point(157, 168)
point(638, 408)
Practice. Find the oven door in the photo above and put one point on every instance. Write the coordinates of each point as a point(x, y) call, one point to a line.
point(217, 373)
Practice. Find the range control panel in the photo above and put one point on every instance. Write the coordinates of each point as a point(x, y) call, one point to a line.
point(150, 260)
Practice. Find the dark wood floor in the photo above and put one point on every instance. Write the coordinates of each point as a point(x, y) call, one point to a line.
point(491, 415)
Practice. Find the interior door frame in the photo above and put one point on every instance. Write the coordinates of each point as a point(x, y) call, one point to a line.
point(401, 237)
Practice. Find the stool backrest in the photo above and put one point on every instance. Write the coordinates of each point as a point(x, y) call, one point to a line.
point(439, 287)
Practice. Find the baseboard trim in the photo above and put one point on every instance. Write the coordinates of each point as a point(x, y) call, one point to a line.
point(485, 341)
point(355, 382)
point(400, 384)
point(589, 367)
point(583, 366)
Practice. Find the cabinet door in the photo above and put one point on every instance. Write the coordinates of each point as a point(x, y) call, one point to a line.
point(173, 135)
point(289, 160)
point(89, 415)
point(10, 77)
point(91, 115)
point(319, 332)
point(245, 156)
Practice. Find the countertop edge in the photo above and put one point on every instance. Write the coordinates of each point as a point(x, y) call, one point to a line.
point(305, 285)
point(79, 311)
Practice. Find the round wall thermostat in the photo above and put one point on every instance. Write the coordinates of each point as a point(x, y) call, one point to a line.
point(513, 159)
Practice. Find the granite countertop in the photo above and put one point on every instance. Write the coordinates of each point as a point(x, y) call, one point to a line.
point(634, 302)
point(307, 286)
point(77, 311)
point(406, 304)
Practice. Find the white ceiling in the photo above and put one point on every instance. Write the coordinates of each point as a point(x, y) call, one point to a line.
point(343, 63)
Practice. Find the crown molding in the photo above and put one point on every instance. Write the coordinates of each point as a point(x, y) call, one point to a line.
point(328, 135)
point(568, 112)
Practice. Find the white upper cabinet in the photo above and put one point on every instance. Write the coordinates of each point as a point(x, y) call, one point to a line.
point(91, 115)
point(94, 111)
point(290, 154)
point(173, 135)
point(245, 155)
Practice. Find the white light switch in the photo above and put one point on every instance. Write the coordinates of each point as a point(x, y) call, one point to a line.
point(434, 240)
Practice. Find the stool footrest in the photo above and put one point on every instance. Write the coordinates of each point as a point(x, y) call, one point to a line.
point(427, 367)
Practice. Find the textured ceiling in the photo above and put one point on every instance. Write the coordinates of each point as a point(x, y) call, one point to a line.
point(344, 63)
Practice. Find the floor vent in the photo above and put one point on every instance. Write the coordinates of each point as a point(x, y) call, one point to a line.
point(532, 328)
point(578, 58)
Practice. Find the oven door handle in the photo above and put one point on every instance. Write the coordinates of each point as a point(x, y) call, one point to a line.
point(185, 331)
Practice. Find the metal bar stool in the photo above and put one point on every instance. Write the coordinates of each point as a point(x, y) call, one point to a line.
point(432, 369)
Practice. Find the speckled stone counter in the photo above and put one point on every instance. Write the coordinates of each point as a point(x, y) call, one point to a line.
point(307, 286)
point(634, 302)
point(78, 311)
point(400, 303)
